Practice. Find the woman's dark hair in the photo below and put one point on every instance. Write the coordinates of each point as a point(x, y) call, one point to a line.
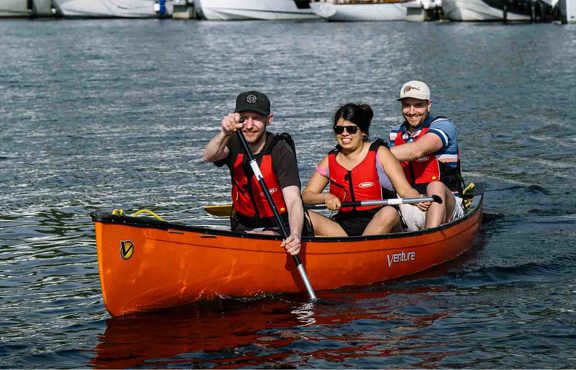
point(359, 114)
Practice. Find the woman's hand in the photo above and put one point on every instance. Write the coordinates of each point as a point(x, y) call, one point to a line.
point(332, 202)
point(423, 206)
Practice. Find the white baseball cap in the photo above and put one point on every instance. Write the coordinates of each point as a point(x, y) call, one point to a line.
point(416, 90)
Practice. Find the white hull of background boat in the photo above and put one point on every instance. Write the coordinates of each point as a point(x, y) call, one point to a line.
point(24, 8)
point(226, 10)
point(42, 8)
point(13, 8)
point(384, 11)
point(108, 8)
point(476, 10)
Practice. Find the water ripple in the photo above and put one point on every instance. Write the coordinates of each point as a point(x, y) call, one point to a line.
point(114, 114)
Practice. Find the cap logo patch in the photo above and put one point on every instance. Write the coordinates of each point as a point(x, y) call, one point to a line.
point(251, 99)
point(409, 88)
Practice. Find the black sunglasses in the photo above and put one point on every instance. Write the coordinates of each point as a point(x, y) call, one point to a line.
point(339, 130)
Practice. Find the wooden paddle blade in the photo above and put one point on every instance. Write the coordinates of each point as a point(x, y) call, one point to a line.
point(221, 210)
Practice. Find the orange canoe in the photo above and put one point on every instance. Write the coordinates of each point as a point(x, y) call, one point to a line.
point(148, 264)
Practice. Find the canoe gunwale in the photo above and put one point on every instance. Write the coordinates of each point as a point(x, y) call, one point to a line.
point(147, 222)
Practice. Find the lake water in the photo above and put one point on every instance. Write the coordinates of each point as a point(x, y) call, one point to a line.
point(103, 114)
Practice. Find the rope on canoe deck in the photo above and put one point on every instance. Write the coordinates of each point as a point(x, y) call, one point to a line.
point(120, 212)
point(467, 200)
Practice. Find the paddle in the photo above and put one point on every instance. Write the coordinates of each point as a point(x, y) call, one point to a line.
point(226, 209)
point(219, 209)
point(383, 202)
point(281, 226)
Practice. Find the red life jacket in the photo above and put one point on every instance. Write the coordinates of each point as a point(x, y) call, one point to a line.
point(248, 199)
point(359, 184)
point(422, 171)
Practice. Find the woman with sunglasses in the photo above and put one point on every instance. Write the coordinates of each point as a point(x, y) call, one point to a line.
point(357, 170)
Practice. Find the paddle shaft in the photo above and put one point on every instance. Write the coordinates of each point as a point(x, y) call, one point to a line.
point(283, 231)
point(382, 202)
point(226, 209)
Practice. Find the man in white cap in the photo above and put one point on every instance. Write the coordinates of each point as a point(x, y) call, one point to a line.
point(427, 147)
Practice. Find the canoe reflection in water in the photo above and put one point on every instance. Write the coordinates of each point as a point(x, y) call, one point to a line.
point(196, 330)
point(277, 332)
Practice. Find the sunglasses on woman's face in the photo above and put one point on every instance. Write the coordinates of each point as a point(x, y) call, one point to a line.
point(339, 130)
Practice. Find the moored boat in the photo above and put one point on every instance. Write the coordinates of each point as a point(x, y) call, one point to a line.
point(14, 8)
point(25, 8)
point(227, 10)
point(113, 8)
point(148, 264)
point(42, 8)
point(498, 10)
point(371, 10)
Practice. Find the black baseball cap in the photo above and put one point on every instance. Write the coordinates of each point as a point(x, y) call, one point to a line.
point(253, 101)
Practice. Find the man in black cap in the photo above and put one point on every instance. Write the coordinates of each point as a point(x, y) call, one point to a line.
point(277, 162)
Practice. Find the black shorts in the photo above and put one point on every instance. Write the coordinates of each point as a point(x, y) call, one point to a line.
point(242, 223)
point(355, 222)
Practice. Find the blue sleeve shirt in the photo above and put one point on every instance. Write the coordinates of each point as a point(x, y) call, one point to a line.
point(439, 126)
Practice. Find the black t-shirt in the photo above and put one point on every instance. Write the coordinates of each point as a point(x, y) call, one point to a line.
point(283, 159)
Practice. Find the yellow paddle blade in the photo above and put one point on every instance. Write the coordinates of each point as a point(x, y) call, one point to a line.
point(219, 209)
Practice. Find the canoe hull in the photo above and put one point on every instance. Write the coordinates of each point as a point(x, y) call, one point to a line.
point(146, 265)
